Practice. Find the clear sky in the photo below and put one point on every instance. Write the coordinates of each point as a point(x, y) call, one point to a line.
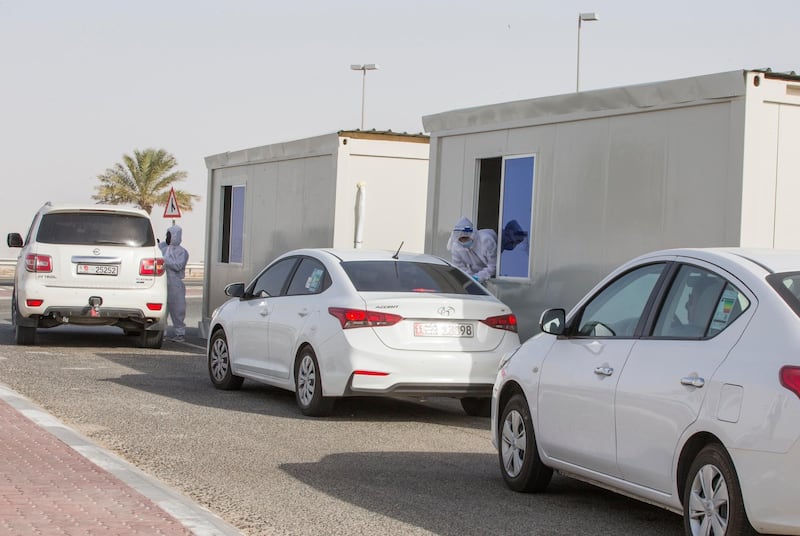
point(83, 82)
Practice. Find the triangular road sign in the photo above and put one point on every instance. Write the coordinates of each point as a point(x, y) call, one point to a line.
point(171, 210)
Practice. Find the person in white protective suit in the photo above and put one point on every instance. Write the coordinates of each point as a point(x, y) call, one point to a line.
point(474, 251)
point(175, 259)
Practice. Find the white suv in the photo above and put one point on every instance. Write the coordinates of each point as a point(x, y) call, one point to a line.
point(89, 265)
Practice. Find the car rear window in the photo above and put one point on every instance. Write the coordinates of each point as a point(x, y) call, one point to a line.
point(95, 228)
point(405, 276)
point(787, 285)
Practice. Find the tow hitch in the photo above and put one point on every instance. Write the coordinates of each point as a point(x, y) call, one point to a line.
point(95, 302)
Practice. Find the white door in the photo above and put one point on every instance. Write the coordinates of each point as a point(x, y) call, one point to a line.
point(580, 373)
point(248, 334)
point(665, 379)
point(292, 314)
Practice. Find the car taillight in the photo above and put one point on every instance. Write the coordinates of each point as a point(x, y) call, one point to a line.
point(506, 322)
point(151, 266)
point(359, 318)
point(38, 263)
point(790, 378)
point(34, 303)
point(154, 306)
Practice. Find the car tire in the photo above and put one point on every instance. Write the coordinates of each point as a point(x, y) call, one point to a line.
point(308, 385)
point(477, 407)
point(23, 335)
point(219, 364)
point(712, 495)
point(520, 463)
point(152, 338)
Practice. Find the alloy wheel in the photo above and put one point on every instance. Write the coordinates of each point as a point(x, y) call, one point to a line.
point(306, 380)
point(709, 502)
point(218, 359)
point(512, 443)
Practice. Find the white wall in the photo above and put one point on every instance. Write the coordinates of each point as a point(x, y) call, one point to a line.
point(395, 174)
point(771, 174)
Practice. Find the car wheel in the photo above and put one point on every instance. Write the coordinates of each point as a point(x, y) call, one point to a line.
point(477, 407)
point(520, 464)
point(308, 385)
point(712, 498)
point(219, 364)
point(152, 338)
point(23, 335)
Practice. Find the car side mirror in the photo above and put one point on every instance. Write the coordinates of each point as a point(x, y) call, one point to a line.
point(553, 321)
point(235, 290)
point(14, 240)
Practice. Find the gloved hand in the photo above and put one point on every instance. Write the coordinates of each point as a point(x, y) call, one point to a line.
point(475, 277)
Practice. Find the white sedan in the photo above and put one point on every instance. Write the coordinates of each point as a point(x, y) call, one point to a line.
point(675, 381)
point(329, 323)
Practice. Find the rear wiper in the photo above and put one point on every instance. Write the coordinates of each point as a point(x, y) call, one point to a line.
point(112, 242)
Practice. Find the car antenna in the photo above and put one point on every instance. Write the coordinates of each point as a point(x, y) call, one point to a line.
point(397, 253)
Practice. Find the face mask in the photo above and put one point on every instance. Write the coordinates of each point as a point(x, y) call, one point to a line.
point(466, 244)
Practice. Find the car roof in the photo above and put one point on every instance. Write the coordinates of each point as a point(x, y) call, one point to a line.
point(769, 260)
point(120, 209)
point(348, 255)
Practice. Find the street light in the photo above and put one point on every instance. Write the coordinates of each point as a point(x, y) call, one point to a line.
point(363, 68)
point(582, 17)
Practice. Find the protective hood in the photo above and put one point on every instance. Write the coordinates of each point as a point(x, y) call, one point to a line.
point(176, 235)
point(463, 228)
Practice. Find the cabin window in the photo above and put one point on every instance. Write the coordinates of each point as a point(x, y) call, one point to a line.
point(231, 250)
point(505, 204)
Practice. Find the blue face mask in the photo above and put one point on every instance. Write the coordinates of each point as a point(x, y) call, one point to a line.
point(466, 244)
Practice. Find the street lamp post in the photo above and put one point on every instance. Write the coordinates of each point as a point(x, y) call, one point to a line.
point(582, 17)
point(363, 68)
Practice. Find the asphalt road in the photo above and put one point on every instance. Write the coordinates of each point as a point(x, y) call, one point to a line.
point(377, 466)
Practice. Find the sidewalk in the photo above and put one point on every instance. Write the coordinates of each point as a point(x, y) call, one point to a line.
point(53, 481)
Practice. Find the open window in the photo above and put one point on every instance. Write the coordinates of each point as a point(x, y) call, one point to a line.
point(232, 220)
point(505, 204)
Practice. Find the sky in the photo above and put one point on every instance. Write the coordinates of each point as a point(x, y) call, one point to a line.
point(84, 82)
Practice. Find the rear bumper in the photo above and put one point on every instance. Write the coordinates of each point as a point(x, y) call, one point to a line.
point(360, 365)
point(71, 305)
point(769, 488)
point(425, 390)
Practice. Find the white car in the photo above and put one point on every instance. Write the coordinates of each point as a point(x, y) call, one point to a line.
point(676, 381)
point(328, 323)
point(89, 265)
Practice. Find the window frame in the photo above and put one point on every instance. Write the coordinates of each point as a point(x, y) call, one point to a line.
point(497, 210)
point(229, 222)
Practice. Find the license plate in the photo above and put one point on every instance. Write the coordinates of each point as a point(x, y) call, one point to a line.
point(98, 269)
point(444, 329)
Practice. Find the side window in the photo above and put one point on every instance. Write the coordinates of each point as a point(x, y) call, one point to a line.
point(699, 304)
point(273, 279)
point(309, 278)
point(616, 310)
point(232, 222)
point(505, 205)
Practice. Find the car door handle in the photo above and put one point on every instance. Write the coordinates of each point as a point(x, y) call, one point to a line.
point(263, 312)
point(604, 371)
point(694, 381)
point(302, 312)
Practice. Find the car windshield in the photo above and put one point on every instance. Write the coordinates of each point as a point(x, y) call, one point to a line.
point(404, 276)
point(95, 228)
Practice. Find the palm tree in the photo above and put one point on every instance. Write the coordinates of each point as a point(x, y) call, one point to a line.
point(144, 180)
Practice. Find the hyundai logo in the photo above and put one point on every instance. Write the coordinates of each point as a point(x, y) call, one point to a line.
point(445, 310)
point(96, 251)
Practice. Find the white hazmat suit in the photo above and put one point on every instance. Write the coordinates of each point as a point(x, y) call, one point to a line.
point(175, 259)
point(474, 251)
